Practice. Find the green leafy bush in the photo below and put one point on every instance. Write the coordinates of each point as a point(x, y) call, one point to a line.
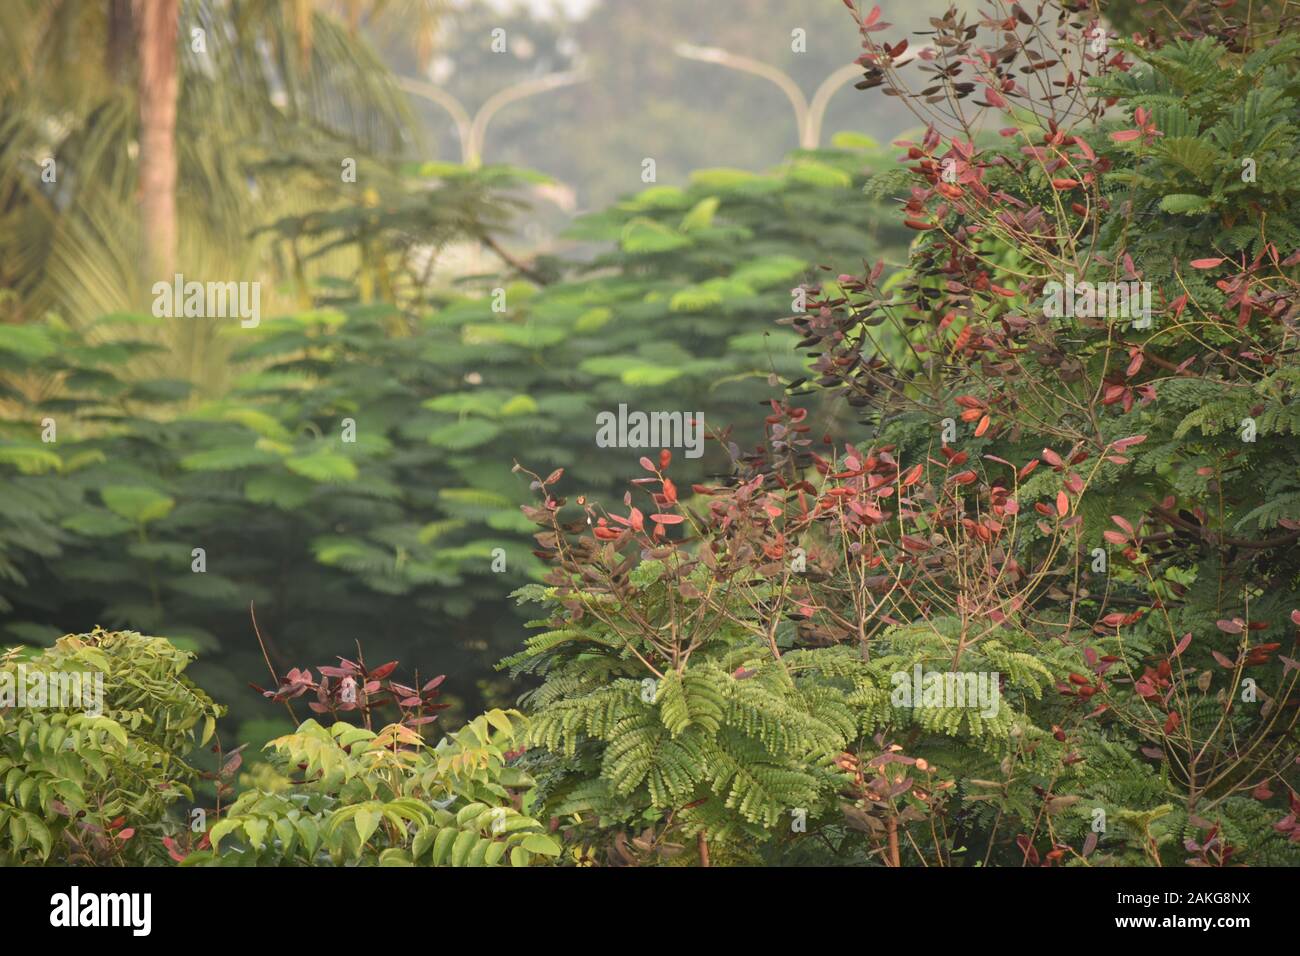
point(102, 778)
point(345, 795)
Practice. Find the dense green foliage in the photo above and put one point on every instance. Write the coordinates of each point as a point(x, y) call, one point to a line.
point(1110, 533)
point(102, 781)
point(998, 574)
point(347, 795)
point(735, 743)
point(391, 536)
point(1160, 564)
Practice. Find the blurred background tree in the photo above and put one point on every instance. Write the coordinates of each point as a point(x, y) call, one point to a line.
point(106, 140)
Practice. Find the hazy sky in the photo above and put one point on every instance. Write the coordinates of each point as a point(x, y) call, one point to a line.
point(574, 8)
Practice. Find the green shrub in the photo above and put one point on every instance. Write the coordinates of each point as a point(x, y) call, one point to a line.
point(345, 795)
point(104, 781)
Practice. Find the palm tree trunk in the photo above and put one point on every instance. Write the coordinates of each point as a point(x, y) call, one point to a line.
point(157, 39)
point(121, 37)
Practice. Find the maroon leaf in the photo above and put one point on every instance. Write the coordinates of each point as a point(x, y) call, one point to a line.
point(380, 672)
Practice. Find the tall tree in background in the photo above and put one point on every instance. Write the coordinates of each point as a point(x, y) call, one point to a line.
point(159, 83)
point(96, 81)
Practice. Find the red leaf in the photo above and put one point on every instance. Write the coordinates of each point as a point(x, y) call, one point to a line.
point(382, 671)
point(647, 464)
point(172, 852)
point(667, 519)
point(1206, 263)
